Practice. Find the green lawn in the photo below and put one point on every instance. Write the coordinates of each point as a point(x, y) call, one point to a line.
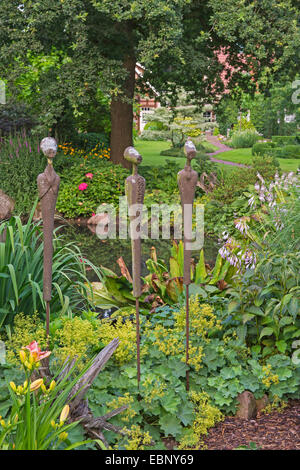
point(245, 156)
point(150, 151)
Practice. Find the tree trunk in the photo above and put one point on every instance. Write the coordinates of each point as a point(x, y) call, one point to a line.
point(122, 116)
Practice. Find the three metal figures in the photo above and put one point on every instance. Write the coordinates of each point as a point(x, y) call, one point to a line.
point(48, 185)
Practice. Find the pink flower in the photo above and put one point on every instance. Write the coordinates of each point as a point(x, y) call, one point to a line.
point(82, 186)
point(36, 352)
point(93, 214)
point(89, 175)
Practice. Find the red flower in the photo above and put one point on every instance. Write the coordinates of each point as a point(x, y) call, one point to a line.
point(82, 186)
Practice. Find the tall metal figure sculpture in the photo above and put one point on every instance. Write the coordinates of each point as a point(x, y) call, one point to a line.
point(187, 181)
point(48, 185)
point(135, 191)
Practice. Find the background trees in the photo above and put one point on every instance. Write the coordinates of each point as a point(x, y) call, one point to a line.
point(70, 58)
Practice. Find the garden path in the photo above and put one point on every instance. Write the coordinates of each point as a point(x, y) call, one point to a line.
point(221, 148)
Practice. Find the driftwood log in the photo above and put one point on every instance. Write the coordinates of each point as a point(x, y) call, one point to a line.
point(79, 408)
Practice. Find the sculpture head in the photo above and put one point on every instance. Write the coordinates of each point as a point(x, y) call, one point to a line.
point(49, 148)
point(132, 156)
point(190, 150)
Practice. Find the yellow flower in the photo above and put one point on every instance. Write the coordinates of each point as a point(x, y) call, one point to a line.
point(63, 436)
point(13, 386)
point(22, 356)
point(36, 384)
point(52, 386)
point(64, 414)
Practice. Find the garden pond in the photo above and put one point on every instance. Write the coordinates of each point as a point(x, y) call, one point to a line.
point(107, 252)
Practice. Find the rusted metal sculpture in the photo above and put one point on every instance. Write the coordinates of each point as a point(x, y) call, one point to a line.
point(48, 185)
point(135, 191)
point(187, 182)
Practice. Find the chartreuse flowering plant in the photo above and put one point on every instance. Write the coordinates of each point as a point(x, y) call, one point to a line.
point(221, 364)
point(38, 415)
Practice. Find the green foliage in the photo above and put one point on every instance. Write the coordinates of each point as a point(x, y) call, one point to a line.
point(268, 112)
point(37, 414)
point(21, 161)
point(105, 186)
point(202, 147)
point(244, 139)
point(264, 298)
point(163, 284)
point(173, 152)
point(90, 140)
point(266, 304)
point(155, 126)
point(63, 77)
point(283, 140)
point(162, 177)
point(156, 135)
point(229, 200)
point(176, 124)
point(227, 112)
point(21, 272)
point(234, 183)
point(14, 117)
point(262, 148)
point(287, 151)
point(280, 147)
point(221, 367)
point(243, 124)
point(250, 446)
point(203, 164)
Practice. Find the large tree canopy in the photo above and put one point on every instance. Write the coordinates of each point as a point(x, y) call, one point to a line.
point(97, 43)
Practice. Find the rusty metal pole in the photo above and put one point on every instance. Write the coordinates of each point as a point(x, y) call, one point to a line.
point(135, 190)
point(187, 181)
point(48, 185)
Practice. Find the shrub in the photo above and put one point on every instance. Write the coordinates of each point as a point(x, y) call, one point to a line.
point(261, 148)
point(90, 140)
point(244, 139)
point(155, 135)
point(162, 178)
point(80, 195)
point(243, 124)
point(173, 152)
point(266, 166)
point(15, 117)
point(282, 140)
point(233, 183)
point(288, 151)
point(179, 151)
point(155, 126)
